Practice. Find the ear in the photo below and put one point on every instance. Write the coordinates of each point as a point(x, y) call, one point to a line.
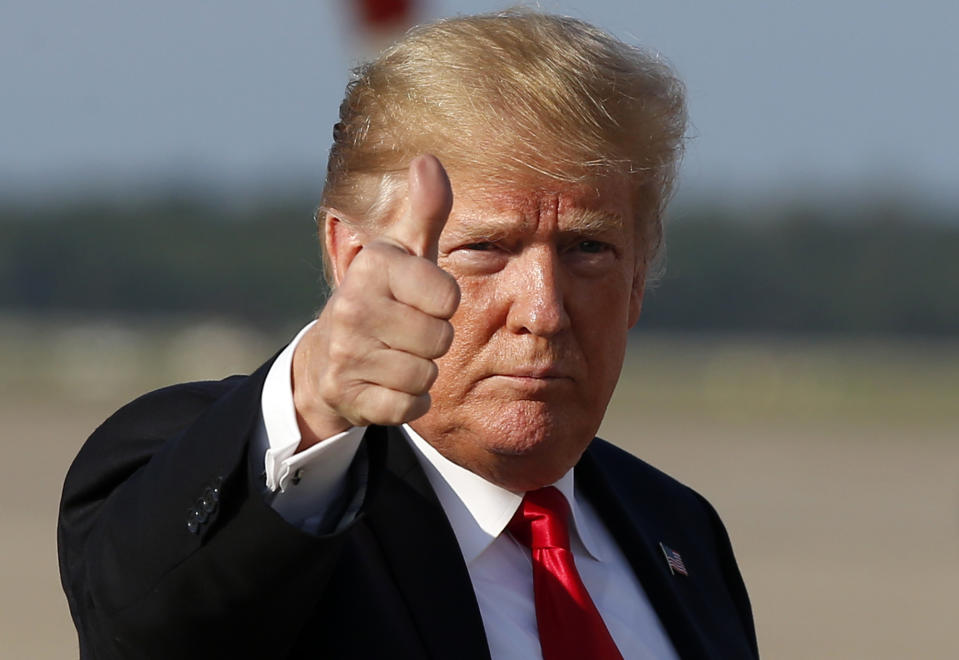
point(636, 295)
point(343, 242)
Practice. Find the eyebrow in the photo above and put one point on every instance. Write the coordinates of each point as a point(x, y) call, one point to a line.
point(492, 228)
point(474, 229)
point(592, 221)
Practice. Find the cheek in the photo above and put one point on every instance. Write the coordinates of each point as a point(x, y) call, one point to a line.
point(601, 321)
point(478, 316)
point(602, 305)
point(474, 325)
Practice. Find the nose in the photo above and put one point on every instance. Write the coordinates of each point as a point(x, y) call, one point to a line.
point(535, 287)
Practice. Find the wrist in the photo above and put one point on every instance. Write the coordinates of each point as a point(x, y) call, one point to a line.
point(316, 420)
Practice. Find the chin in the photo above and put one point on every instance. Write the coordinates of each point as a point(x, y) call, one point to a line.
point(520, 445)
point(532, 429)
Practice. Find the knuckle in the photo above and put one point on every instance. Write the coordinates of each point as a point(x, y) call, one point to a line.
point(370, 269)
point(330, 393)
point(359, 269)
point(390, 407)
point(417, 406)
point(428, 375)
point(444, 339)
point(386, 248)
point(348, 310)
point(339, 352)
point(333, 381)
point(400, 407)
point(358, 406)
point(447, 296)
point(386, 259)
point(376, 253)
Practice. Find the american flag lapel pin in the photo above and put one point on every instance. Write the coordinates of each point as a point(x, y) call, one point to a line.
point(674, 560)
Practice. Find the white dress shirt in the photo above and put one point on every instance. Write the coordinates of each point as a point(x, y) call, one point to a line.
point(500, 568)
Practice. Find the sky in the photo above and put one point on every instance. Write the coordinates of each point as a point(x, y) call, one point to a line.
point(786, 98)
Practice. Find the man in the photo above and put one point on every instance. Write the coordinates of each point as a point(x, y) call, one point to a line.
point(416, 474)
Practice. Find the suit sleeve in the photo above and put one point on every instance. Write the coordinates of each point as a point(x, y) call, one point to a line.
point(167, 547)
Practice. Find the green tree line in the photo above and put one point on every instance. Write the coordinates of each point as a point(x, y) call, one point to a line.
point(881, 270)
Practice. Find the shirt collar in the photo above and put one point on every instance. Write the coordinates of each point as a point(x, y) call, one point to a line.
point(479, 510)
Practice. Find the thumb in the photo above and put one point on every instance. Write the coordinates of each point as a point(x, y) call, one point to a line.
point(430, 199)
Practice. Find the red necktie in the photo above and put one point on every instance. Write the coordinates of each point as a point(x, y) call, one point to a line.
point(570, 626)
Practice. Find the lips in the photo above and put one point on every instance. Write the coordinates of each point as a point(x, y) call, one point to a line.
point(531, 383)
point(532, 375)
point(544, 372)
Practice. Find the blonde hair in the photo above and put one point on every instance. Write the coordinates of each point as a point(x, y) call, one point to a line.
point(512, 97)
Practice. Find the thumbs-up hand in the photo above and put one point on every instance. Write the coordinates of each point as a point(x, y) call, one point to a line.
point(369, 359)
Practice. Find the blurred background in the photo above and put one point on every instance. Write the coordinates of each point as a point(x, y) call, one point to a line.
point(798, 363)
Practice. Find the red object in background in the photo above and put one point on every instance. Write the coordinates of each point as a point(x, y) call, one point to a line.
point(385, 13)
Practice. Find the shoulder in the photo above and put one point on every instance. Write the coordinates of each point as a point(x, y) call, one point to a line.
point(131, 436)
point(135, 432)
point(637, 486)
point(166, 410)
point(618, 466)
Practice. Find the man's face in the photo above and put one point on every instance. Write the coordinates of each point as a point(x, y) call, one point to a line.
point(551, 281)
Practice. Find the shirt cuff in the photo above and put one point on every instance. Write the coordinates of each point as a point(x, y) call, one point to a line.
point(310, 481)
point(315, 478)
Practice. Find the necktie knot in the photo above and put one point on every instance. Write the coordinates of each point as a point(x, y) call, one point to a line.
point(542, 520)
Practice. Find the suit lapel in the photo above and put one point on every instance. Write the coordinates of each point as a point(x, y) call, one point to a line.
point(421, 550)
point(632, 528)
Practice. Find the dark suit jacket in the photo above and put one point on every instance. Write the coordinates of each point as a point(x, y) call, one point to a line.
point(168, 548)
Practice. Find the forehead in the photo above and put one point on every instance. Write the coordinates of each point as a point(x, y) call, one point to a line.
point(598, 205)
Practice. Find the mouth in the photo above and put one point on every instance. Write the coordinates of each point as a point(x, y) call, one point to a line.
point(548, 372)
point(532, 380)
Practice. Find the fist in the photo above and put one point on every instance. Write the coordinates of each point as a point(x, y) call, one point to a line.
point(369, 359)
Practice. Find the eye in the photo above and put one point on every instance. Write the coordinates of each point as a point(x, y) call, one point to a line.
point(480, 246)
point(476, 258)
point(592, 247)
